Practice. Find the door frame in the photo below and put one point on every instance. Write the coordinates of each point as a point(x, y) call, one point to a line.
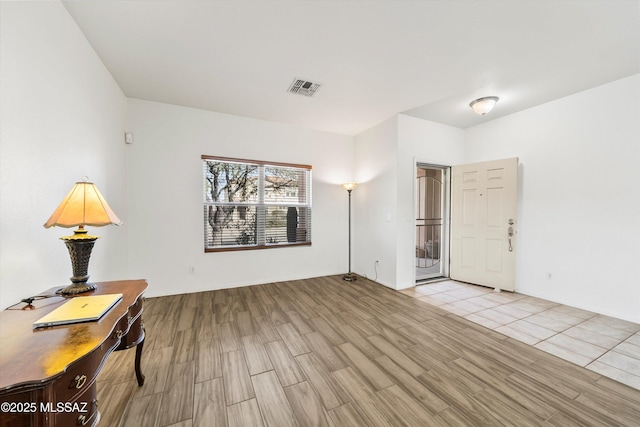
point(446, 216)
point(447, 200)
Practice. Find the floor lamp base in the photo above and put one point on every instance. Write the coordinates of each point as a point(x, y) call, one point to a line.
point(349, 277)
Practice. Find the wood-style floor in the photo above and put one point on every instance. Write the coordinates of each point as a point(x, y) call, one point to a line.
point(327, 352)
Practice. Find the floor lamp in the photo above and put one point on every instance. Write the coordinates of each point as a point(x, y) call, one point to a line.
point(349, 186)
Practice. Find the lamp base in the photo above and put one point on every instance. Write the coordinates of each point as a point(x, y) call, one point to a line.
point(77, 288)
point(80, 246)
point(349, 277)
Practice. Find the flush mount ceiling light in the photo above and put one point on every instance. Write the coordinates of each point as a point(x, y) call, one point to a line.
point(483, 105)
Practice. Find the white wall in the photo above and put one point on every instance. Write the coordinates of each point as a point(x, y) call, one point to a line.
point(375, 203)
point(61, 117)
point(384, 214)
point(579, 209)
point(425, 142)
point(165, 198)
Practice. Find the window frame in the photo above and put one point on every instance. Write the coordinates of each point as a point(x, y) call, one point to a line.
point(260, 204)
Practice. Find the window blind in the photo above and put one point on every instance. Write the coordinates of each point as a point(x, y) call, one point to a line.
point(251, 204)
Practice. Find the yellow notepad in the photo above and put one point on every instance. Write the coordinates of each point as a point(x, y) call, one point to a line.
point(79, 309)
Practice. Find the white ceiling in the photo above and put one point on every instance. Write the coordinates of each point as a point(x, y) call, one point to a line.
point(375, 59)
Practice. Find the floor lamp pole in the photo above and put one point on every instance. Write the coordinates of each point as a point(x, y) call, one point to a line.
point(349, 277)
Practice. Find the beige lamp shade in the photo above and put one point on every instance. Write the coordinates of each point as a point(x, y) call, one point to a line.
point(350, 186)
point(84, 205)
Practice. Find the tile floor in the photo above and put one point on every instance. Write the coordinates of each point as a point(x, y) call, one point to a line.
point(600, 343)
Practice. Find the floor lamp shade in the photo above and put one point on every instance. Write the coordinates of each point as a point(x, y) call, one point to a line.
point(84, 205)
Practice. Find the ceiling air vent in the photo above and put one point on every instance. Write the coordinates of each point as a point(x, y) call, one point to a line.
point(304, 87)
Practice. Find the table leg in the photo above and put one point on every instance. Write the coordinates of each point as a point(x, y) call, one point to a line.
point(139, 374)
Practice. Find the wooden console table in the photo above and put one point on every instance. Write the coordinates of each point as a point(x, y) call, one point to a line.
point(48, 375)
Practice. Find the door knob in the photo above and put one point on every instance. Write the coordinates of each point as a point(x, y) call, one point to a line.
point(510, 234)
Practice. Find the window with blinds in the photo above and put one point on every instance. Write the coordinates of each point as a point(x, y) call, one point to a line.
point(250, 204)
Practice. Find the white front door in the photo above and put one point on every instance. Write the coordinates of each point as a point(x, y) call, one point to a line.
point(483, 223)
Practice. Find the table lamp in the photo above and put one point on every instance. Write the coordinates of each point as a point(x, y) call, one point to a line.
point(84, 205)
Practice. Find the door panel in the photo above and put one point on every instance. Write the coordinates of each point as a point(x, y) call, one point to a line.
point(469, 207)
point(469, 252)
point(483, 202)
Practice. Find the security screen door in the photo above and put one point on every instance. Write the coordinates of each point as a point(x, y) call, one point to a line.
point(483, 223)
point(432, 214)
